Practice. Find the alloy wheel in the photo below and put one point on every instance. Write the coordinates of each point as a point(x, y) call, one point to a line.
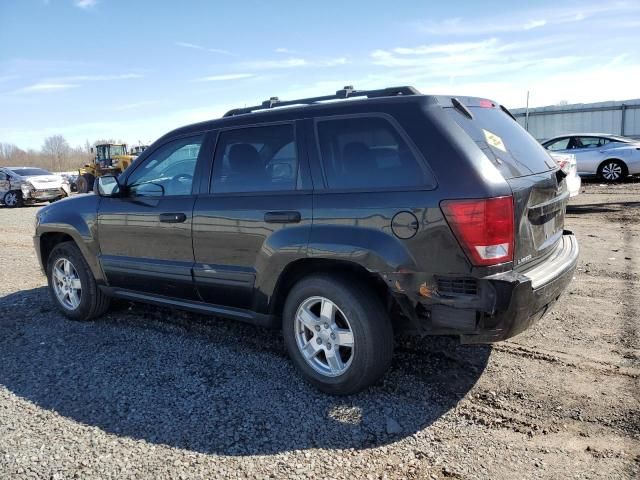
point(66, 284)
point(324, 336)
point(612, 171)
point(11, 199)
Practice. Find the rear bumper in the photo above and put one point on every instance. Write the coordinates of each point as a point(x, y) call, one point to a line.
point(496, 307)
point(522, 298)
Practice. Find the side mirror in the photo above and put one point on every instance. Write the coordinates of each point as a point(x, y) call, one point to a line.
point(107, 186)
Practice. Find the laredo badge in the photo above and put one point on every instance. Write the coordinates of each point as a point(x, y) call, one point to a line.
point(494, 140)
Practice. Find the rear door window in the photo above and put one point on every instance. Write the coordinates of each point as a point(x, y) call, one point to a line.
point(368, 153)
point(562, 144)
point(256, 159)
point(591, 142)
point(513, 151)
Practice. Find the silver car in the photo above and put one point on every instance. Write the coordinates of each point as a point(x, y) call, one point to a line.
point(610, 157)
point(20, 185)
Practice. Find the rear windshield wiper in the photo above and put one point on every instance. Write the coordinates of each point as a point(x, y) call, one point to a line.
point(505, 110)
point(457, 104)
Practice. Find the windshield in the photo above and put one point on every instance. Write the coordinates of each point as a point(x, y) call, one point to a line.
point(109, 151)
point(30, 172)
point(118, 150)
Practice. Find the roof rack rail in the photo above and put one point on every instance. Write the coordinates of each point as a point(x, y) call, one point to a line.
point(346, 92)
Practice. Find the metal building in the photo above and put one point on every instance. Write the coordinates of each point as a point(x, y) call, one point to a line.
point(619, 118)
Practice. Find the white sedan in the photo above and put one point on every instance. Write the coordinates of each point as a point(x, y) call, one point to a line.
point(610, 157)
point(568, 165)
point(21, 185)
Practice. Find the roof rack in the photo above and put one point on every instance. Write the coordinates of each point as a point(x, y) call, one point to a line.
point(346, 92)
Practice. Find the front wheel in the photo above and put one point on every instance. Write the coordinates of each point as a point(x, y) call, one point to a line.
point(72, 285)
point(85, 183)
point(13, 199)
point(612, 171)
point(337, 333)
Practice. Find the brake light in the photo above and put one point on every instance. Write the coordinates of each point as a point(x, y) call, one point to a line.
point(487, 104)
point(565, 166)
point(484, 228)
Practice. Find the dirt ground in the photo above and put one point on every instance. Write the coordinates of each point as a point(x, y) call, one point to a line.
point(154, 393)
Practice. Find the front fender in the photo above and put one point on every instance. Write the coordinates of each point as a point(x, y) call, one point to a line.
point(77, 218)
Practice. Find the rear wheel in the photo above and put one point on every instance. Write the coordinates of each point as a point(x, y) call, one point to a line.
point(612, 171)
point(71, 284)
point(85, 183)
point(337, 333)
point(13, 199)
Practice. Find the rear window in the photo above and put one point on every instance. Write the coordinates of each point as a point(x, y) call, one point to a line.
point(368, 153)
point(504, 141)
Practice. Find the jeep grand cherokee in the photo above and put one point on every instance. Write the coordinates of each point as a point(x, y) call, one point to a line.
point(339, 219)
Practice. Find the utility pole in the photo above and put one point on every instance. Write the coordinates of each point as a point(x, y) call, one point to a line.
point(526, 115)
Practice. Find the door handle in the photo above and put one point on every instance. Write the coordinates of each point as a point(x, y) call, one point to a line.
point(172, 217)
point(282, 217)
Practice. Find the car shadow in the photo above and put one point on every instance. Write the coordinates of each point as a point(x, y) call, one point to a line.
point(215, 386)
point(602, 207)
point(596, 180)
point(28, 205)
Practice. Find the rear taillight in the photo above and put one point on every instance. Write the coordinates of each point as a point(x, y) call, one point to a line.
point(483, 227)
point(565, 166)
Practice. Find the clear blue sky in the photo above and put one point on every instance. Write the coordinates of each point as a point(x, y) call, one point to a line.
point(90, 69)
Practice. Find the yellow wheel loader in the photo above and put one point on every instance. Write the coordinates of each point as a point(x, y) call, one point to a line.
point(111, 158)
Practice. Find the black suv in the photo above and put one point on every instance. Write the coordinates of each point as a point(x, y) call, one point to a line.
point(339, 219)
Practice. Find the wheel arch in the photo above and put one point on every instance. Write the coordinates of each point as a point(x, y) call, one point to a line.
point(48, 242)
point(305, 267)
point(613, 159)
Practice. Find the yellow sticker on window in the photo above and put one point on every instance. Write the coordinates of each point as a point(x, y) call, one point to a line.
point(494, 140)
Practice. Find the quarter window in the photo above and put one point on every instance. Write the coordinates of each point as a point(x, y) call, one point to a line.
point(256, 159)
point(168, 171)
point(367, 153)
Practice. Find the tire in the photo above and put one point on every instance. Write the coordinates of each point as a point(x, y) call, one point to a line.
point(358, 310)
point(85, 183)
point(612, 171)
point(91, 302)
point(13, 199)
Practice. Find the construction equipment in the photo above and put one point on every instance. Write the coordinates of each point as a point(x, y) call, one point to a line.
point(138, 149)
point(111, 158)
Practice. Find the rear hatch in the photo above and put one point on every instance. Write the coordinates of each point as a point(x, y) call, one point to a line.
point(539, 190)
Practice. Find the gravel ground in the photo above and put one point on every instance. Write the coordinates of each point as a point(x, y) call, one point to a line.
point(154, 393)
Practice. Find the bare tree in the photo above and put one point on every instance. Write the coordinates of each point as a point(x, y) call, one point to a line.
point(57, 147)
point(56, 155)
point(7, 150)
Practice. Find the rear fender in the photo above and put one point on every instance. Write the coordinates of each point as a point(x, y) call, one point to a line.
point(372, 249)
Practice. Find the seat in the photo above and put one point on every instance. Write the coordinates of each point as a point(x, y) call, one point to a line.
point(358, 164)
point(246, 166)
